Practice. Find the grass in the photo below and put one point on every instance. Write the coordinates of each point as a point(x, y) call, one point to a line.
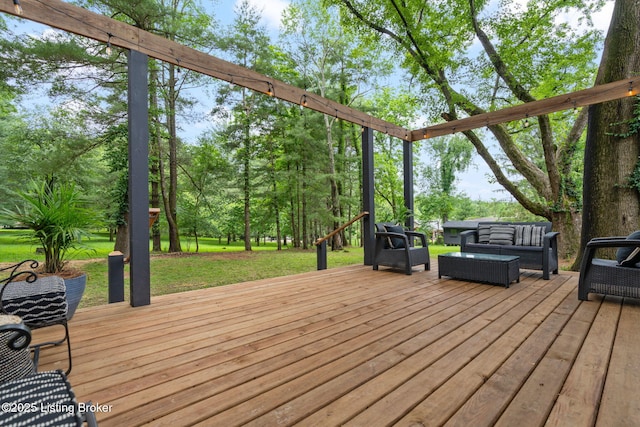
point(14, 247)
point(215, 265)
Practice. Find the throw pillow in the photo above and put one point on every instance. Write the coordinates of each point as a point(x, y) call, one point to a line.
point(395, 242)
point(484, 232)
point(629, 256)
point(537, 235)
point(523, 235)
point(501, 235)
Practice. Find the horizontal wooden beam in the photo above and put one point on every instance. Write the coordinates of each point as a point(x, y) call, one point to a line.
point(594, 95)
point(73, 19)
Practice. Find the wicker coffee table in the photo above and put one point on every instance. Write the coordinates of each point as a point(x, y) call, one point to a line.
point(490, 268)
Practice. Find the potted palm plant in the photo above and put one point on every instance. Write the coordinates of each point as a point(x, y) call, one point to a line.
point(58, 221)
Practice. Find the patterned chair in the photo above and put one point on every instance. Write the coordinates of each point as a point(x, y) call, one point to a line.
point(39, 301)
point(30, 398)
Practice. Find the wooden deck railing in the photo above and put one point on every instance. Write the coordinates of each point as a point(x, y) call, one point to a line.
point(321, 243)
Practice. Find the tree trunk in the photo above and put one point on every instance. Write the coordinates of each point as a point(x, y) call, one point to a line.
point(336, 241)
point(174, 234)
point(122, 239)
point(611, 206)
point(295, 235)
point(246, 189)
point(568, 225)
point(155, 144)
point(305, 217)
point(276, 209)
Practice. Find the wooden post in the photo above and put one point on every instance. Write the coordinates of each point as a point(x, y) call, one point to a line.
point(368, 204)
point(140, 283)
point(116, 276)
point(407, 155)
point(321, 251)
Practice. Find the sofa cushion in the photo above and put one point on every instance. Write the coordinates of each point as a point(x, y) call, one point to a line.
point(529, 235)
point(395, 242)
point(484, 231)
point(501, 235)
point(629, 256)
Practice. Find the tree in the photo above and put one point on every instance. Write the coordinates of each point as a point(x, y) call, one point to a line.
point(611, 160)
point(249, 46)
point(181, 20)
point(448, 156)
point(400, 108)
point(204, 197)
point(56, 142)
point(338, 65)
point(525, 55)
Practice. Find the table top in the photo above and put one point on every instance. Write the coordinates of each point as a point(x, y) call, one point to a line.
point(483, 257)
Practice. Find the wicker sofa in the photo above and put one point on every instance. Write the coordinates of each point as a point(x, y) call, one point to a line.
point(533, 242)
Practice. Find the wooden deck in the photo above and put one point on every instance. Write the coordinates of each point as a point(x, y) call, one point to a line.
point(357, 347)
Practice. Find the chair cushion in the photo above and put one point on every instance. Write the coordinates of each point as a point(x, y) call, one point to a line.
point(529, 235)
point(395, 242)
point(41, 303)
point(47, 397)
point(501, 235)
point(629, 256)
point(16, 361)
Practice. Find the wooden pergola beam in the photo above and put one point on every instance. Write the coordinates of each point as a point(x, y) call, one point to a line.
point(582, 98)
point(74, 19)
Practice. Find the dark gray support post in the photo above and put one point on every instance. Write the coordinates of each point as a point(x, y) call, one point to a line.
point(321, 251)
point(140, 270)
point(368, 204)
point(407, 155)
point(116, 277)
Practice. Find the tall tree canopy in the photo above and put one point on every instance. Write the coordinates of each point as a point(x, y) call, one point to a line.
point(470, 57)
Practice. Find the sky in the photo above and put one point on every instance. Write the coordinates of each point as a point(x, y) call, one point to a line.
point(474, 183)
point(271, 11)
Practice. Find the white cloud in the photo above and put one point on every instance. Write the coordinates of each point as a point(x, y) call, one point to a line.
point(271, 10)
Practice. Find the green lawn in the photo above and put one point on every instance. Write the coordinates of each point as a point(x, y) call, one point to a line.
point(215, 265)
point(14, 247)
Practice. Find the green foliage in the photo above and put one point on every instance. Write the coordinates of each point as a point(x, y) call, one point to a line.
point(471, 57)
point(447, 157)
point(461, 207)
point(57, 218)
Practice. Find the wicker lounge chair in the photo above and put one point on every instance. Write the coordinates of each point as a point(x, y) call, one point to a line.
point(395, 248)
point(608, 277)
point(39, 301)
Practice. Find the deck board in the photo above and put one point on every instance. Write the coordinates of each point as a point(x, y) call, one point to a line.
point(353, 346)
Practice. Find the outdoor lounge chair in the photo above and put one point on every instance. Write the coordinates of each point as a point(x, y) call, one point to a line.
point(39, 301)
point(30, 398)
point(619, 277)
point(395, 248)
